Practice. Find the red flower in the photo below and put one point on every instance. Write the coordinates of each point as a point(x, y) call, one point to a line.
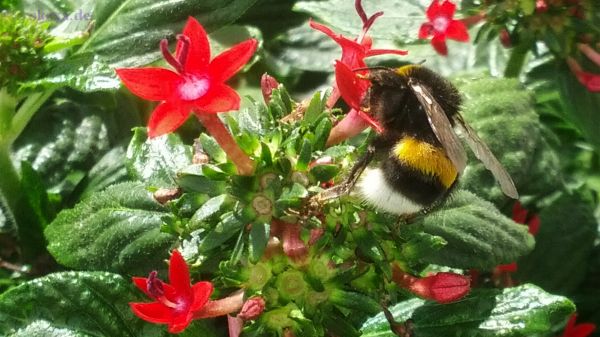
point(441, 26)
point(197, 84)
point(519, 215)
point(442, 287)
point(352, 90)
point(175, 303)
point(578, 330)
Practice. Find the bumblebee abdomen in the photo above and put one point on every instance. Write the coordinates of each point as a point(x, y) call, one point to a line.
point(414, 176)
point(425, 158)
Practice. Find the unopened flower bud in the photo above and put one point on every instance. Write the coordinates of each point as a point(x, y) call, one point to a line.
point(505, 38)
point(541, 6)
point(267, 84)
point(164, 195)
point(252, 308)
point(442, 287)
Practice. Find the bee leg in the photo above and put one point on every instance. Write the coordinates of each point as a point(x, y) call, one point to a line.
point(345, 187)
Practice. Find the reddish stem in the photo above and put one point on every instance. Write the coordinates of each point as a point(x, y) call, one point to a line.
point(222, 307)
point(217, 129)
point(350, 126)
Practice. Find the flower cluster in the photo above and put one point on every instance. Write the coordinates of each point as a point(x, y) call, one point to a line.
point(442, 26)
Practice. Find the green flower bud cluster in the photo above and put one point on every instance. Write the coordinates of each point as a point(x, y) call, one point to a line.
point(22, 41)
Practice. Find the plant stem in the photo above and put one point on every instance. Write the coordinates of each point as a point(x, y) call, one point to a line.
point(9, 182)
point(215, 128)
point(7, 109)
point(29, 107)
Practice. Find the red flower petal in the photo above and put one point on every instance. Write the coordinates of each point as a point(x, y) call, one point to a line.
point(153, 84)
point(509, 268)
point(229, 62)
point(353, 53)
point(324, 29)
point(534, 224)
point(198, 55)
point(142, 284)
point(202, 292)
point(351, 88)
point(439, 44)
point(180, 322)
point(152, 312)
point(519, 214)
point(457, 31)
point(167, 117)
point(372, 122)
point(442, 287)
point(219, 98)
point(582, 330)
point(179, 274)
point(447, 9)
point(374, 52)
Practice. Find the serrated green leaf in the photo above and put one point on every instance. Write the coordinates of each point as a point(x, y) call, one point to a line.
point(477, 234)
point(521, 311)
point(117, 229)
point(157, 161)
point(84, 304)
point(109, 170)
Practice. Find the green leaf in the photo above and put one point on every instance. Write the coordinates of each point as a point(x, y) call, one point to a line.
point(209, 209)
point(212, 148)
point(64, 138)
point(259, 237)
point(567, 232)
point(521, 311)
point(7, 219)
point(35, 195)
point(82, 304)
point(109, 170)
point(157, 161)
point(477, 234)
point(229, 225)
point(192, 179)
point(117, 229)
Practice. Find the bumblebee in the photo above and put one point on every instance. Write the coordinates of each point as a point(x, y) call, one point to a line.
point(420, 155)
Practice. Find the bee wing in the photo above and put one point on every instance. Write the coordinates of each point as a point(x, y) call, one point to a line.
point(483, 153)
point(440, 124)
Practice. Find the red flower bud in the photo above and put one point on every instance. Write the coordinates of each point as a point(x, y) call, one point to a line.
point(541, 6)
point(442, 287)
point(252, 308)
point(267, 84)
point(505, 38)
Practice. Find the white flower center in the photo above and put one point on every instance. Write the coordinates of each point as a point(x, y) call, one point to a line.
point(440, 24)
point(193, 87)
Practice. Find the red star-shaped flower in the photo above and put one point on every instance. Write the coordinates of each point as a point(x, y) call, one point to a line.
point(578, 330)
point(442, 26)
point(197, 84)
point(174, 304)
point(590, 80)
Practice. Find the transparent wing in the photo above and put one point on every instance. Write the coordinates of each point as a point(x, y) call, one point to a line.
point(440, 124)
point(483, 153)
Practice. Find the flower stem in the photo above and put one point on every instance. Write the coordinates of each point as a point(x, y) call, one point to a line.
point(215, 128)
point(24, 114)
point(10, 182)
point(222, 307)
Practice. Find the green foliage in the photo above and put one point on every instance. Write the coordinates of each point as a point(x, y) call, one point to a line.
point(156, 161)
point(525, 310)
point(117, 229)
point(475, 234)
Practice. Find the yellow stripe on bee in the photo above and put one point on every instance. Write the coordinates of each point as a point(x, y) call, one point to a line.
point(406, 70)
point(426, 159)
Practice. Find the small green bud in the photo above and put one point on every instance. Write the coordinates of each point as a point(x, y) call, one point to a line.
point(259, 275)
point(291, 284)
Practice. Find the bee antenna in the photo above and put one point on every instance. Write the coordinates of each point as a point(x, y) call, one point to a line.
point(422, 61)
point(371, 68)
